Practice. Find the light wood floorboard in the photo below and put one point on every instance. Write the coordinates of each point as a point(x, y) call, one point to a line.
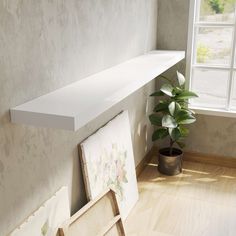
point(199, 202)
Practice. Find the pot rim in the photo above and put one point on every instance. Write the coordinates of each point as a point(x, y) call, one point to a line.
point(178, 152)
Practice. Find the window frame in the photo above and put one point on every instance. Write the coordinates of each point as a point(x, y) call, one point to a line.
point(193, 24)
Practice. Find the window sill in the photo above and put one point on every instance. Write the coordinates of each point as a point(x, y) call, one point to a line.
point(213, 112)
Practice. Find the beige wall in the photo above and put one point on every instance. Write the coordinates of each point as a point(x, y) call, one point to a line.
point(45, 45)
point(213, 135)
point(210, 134)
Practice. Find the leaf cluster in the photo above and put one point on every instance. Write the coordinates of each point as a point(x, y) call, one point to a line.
point(171, 114)
point(217, 6)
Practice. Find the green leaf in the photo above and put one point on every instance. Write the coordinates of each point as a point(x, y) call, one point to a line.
point(187, 120)
point(188, 110)
point(174, 133)
point(161, 106)
point(157, 94)
point(180, 78)
point(181, 144)
point(184, 117)
point(168, 121)
point(186, 95)
point(183, 104)
point(184, 131)
point(182, 112)
point(159, 134)
point(171, 108)
point(155, 120)
point(167, 89)
point(177, 90)
point(192, 112)
point(177, 107)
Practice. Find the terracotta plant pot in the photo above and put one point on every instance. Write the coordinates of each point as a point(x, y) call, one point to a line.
point(170, 165)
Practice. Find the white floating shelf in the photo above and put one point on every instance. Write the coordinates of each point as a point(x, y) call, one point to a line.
point(75, 105)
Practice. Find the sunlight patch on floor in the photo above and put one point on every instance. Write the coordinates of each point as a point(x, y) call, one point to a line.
point(206, 179)
point(227, 176)
point(196, 171)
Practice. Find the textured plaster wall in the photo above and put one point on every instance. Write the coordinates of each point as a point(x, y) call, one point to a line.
point(172, 29)
point(210, 134)
point(45, 45)
point(172, 25)
point(213, 135)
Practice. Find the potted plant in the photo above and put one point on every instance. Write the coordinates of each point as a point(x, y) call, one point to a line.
point(171, 115)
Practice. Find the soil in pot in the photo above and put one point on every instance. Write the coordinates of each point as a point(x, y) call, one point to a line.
point(170, 165)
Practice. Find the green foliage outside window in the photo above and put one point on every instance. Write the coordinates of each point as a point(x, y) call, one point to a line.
point(203, 53)
point(217, 6)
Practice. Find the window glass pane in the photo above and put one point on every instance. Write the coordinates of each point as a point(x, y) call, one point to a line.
point(233, 101)
point(217, 11)
point(213, 45)
point(211, 87)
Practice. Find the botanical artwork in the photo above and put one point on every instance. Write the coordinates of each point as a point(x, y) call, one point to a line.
point(113, 173)
point(45, 221)
point(108, 161)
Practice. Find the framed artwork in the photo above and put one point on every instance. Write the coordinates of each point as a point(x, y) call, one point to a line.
point(88, 221)
point(108, 162)
point(46, 220)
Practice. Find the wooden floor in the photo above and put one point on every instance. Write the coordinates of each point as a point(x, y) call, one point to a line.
point(199, 202)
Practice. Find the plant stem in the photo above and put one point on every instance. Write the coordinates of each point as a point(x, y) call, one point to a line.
point(171, 146)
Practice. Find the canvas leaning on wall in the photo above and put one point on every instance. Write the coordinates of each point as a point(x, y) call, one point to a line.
point(108, 161)
point(45, 221)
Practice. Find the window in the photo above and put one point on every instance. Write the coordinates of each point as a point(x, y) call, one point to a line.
point(211, 55)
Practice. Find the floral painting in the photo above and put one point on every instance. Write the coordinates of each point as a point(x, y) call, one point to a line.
point(113, 173)
point(108, 161)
